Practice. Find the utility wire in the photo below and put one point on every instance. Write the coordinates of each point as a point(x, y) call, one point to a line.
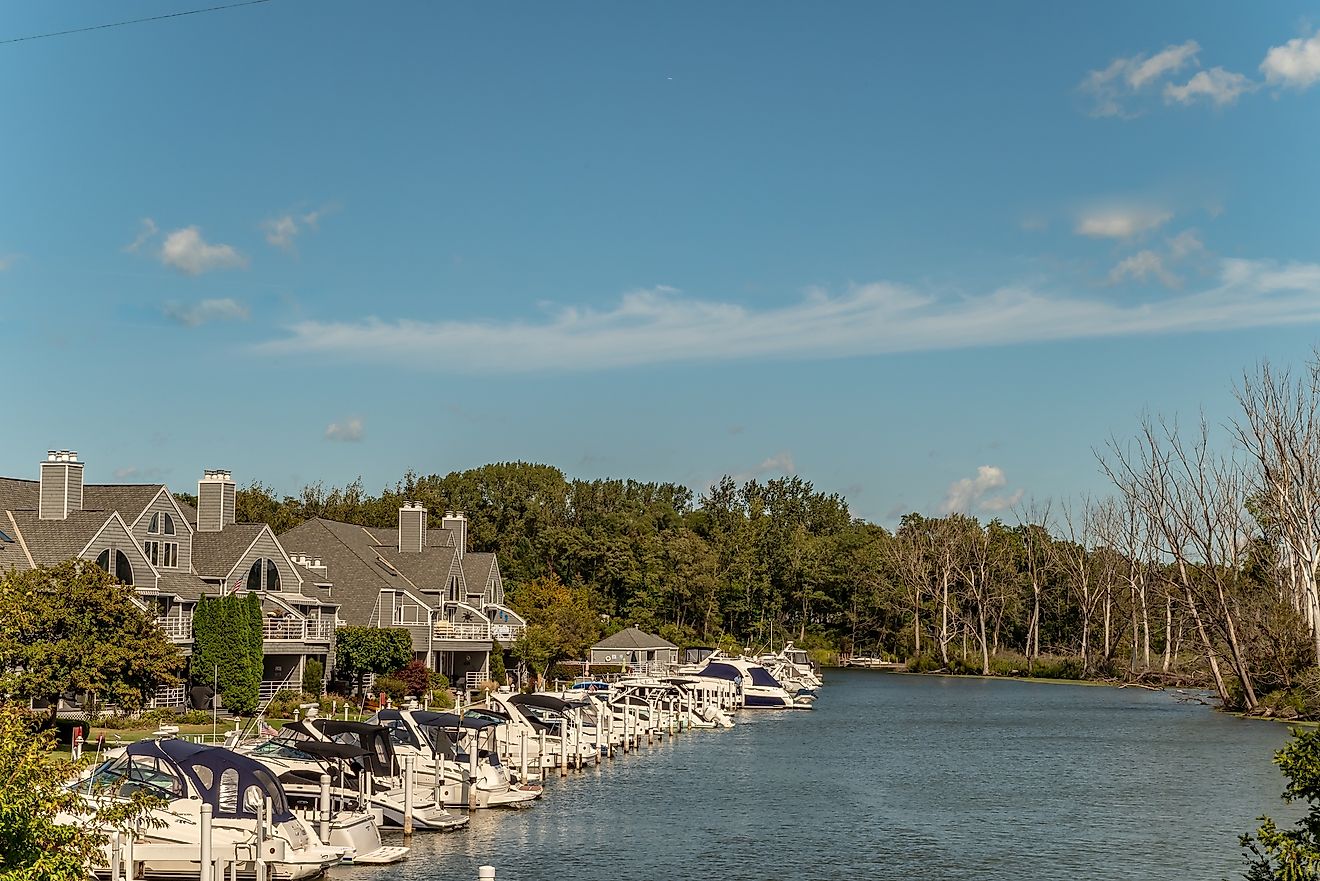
point(119, 24)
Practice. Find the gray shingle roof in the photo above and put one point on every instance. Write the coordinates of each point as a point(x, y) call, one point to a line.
point(129, 499)
point(52, 541)
point(19, 495)
point(349, 553)
point(185, 586)
point(476, 570)
point(214, 554)
point(633, 638)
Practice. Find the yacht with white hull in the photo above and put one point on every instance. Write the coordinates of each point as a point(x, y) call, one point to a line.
point(248, 807)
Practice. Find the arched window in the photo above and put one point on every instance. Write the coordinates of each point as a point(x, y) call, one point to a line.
point(161, 524)
point(122, 570)
point(263, 576)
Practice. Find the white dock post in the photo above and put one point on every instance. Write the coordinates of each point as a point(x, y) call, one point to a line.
point(485, 873)
point(128, 857)
point(441, 779)
point(116, 858)
point(407, 795)
point(473, 768)
point(522, 757)
point(206, 833)
point(261, 840)
point(563, 749)
point(595, 738)
point(323, 827)
point(541, 755)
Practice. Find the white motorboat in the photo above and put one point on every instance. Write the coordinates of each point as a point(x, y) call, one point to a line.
point(456, 756)
point(249, 809)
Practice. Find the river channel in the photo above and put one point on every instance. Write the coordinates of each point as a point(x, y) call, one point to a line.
point(899, 777)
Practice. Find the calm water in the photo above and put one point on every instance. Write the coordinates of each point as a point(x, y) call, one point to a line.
point(902, 777)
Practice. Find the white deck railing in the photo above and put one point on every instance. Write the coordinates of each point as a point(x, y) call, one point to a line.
point(176, 628)
point(469, 630)
point(284, 629)
point(507, 633)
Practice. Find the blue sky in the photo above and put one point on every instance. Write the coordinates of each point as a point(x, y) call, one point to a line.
point(927, 255)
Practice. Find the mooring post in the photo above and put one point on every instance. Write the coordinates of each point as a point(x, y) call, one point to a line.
point(541, 754)
point(522, 756)
point(323, 827)
point(474, 752)
point(407, 795)
point(563, 749)
point(205, 831)
point(485, 873)
point(261, 840)
point(128, 857)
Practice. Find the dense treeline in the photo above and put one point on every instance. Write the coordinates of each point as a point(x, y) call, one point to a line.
point(1203, 564)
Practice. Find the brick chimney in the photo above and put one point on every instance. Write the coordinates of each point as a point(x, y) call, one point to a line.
point(412, 528)
point(61, 485)
point(215, 501)
point(456, 521)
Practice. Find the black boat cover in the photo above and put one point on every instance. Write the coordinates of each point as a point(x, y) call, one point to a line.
point(232, 784)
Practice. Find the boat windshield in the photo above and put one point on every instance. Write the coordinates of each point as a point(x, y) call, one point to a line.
point(126, 775)
point(282, 748)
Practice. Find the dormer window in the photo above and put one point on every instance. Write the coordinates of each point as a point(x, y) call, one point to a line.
point(161, 524)
point(122, 569)
point(263, 575)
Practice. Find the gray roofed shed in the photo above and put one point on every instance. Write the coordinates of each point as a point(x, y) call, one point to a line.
point(634, 647)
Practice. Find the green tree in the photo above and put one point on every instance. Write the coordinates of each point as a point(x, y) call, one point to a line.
point(227, 649)
point(1275, 854)
point(363, 650)
point(73, 628)
point(33, 791)
point(560, 622)
point(497, 671)
point(313, 676)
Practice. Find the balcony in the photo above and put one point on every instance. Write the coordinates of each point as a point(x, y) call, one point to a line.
point(284, 630)
point(176, 628)
point(507, 632)
point(473, 631)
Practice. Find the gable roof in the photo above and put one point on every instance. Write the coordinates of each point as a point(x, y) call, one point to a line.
point(477, 570)
point(633, 638)
point(349, 553)
point(53, 541)
point(214, 554)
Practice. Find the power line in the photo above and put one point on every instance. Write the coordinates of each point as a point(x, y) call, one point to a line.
point(119, 24)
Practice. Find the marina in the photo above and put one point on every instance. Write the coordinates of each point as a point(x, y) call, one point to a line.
point(1136, 775)
point(290, 804)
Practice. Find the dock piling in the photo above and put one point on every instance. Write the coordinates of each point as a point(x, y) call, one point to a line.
point(206, 872)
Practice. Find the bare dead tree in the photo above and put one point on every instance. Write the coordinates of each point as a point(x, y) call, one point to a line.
point(1279, 426)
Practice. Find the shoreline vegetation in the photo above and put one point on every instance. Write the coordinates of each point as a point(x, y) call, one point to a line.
point(1200, 569)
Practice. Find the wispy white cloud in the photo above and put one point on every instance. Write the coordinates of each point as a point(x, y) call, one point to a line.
point(281, 231)
point(348, 431)
point(186, 250)
point(147, 230)
point(1185, 244)
point(1149, 264)
point(1295, 64)
point(1216, 85)
point(661, 326)
point(1120, 221)
point(1111, 87)
point(204, 311)
point(969, 494)
point(1143, 266)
